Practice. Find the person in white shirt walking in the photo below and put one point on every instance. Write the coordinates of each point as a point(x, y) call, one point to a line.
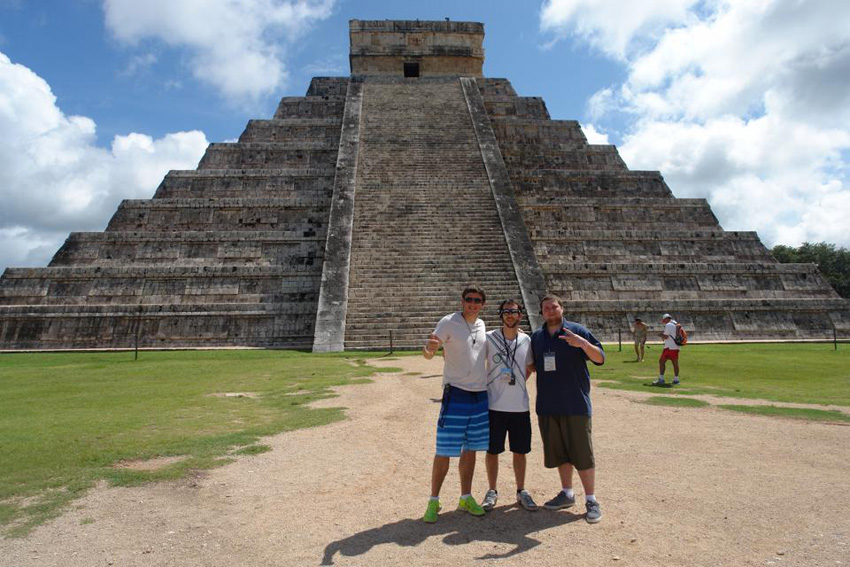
point(670, 352)
point(508, 358)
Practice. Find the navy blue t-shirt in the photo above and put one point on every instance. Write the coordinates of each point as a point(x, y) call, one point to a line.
point(566, 390)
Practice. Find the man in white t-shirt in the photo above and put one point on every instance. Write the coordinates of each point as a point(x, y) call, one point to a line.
point(508, 358)
point(463, 426)
point(670, 352)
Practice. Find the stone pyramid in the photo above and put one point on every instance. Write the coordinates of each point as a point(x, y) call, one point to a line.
point(355, 216)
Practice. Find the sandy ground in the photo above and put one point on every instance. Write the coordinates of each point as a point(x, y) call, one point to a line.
point(677, 487)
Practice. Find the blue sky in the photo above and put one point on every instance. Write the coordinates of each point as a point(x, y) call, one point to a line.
point(746, 103)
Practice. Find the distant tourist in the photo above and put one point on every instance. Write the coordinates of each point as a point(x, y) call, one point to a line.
point(463, 426)
point(670, 352)
point(561, 350)
point(640, 338)
point(508, 358)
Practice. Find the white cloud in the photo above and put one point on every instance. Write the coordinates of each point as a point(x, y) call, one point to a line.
point(54, 178)
point(593, 135)
point(744, 102)
point(235, 46)
point(611, 26)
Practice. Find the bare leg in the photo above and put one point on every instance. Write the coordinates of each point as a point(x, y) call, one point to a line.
point(675, 366)
point(466, 467)
point(438, 474)
point(492, 463)
point(662, 364)
point(642, 346)
point(637, 352)
point(519, 470)
point(588, 480)
point(565, 471)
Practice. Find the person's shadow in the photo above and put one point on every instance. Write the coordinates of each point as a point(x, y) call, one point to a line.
point(504, 524)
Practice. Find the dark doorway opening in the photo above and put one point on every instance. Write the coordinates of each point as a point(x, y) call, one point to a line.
point(411, 69)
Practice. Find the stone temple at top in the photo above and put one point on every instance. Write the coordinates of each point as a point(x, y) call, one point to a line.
point(359, 212)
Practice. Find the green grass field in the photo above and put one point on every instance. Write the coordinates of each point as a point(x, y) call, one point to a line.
point(797, 373)
point(67, 419)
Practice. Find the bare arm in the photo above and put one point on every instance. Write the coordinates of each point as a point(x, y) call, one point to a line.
point(430, 348)
point(593, 352)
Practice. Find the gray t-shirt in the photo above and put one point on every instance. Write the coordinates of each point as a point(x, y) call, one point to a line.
point(464, 348)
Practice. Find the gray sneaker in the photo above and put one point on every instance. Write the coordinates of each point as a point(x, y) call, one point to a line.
point(594, 512)
point(490, 500)
point(525, 500)
point(560, 501)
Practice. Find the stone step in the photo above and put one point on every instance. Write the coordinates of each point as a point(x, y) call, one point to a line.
point(310, 107)
point(328, 86)
point(231, 183)
point(296, 215)
point(155, 284)
point(297, 129)
point(192, 248)
point(676, 269)
point(319, 155)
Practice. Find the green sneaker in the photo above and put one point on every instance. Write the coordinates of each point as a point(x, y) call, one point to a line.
point(470, 505)
point(431, 513)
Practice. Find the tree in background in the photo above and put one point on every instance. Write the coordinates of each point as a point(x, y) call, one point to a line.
point(833, 263)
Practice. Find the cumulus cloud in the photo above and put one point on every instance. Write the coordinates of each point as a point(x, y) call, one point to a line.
point(55, 179)
point(611, 26)
point(593, 135)
point(234, 46)
point(744, 102)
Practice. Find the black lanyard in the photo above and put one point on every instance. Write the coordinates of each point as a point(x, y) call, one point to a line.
point(510, 357)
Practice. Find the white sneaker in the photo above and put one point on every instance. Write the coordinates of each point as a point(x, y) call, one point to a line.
point(490, 500)
point(525, 500)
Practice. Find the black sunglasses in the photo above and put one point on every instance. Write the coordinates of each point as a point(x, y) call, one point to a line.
point(473, 300)
point(511, 311)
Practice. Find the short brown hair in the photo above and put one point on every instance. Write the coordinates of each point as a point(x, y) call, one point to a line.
point(474, 289)
point(551, 297)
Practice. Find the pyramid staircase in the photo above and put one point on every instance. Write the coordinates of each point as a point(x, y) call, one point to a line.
point(425, 222)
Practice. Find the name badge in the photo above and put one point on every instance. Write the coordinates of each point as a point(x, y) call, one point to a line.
point(549, 362)
point(505, 374)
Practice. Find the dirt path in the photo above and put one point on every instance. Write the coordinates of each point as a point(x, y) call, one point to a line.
point(677, 487)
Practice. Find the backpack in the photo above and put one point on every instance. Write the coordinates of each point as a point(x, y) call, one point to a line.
point(681, 337)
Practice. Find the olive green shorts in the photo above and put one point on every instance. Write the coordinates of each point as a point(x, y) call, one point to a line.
point(566, 439)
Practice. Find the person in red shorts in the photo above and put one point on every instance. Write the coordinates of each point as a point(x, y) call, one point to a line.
point(670, 352)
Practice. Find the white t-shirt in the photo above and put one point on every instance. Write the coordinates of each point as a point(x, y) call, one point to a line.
point(670, 331)
point(502, 356)
point(464, 351)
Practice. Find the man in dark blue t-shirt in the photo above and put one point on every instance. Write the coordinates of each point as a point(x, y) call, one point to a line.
point(561, 350)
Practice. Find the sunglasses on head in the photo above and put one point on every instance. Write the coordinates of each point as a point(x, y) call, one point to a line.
point(510, 311)
point(473, 300)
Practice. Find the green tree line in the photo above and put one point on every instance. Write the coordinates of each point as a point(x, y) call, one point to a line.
point(834, 263)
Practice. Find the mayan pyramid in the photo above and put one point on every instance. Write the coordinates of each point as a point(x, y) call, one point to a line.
point(358, 212)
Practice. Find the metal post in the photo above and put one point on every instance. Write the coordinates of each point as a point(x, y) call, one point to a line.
point(136, 339)
point(620, 338)
point(835, 338)
point(391, 342)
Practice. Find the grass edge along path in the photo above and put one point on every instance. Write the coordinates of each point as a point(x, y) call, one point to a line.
point(70, 420)
point(798, 373)
point(808, 414)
